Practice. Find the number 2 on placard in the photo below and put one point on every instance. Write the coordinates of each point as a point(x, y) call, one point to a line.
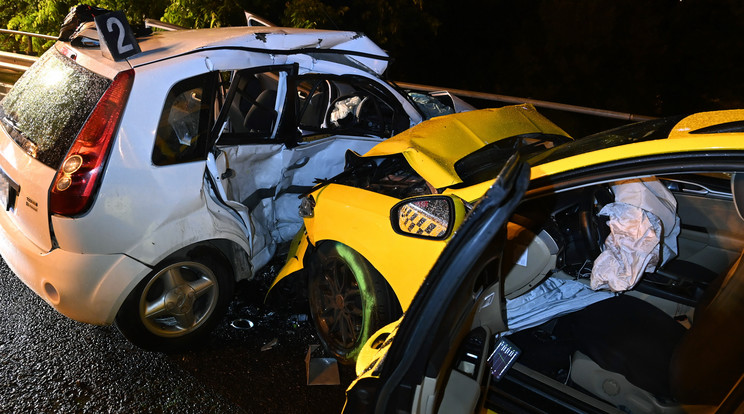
point(120, 46)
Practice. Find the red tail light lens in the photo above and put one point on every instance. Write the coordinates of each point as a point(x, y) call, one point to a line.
point(77, 180)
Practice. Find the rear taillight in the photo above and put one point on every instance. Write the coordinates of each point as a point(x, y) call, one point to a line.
point(76, 182)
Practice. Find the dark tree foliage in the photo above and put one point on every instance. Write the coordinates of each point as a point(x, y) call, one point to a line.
point(657, 57)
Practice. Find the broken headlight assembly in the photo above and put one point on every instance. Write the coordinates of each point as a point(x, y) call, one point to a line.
point(307, 206)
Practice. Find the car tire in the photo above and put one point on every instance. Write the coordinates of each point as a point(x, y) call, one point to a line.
point(177, 304)
point(349, 300)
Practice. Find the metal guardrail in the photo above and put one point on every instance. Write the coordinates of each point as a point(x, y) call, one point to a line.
point(29, 37)
point(16, 61)
point(19, 63)
point(12, 66)
point(157, 24)
point(29, 34)
point(538, 103)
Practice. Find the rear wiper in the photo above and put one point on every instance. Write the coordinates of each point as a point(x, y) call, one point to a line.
point(11, 123)
point(19, 137)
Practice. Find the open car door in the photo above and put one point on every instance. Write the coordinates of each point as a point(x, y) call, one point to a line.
point(277, 132)
point(437, 361)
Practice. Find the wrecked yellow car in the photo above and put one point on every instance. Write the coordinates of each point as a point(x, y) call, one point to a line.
point(361, 266)
point(486, 333)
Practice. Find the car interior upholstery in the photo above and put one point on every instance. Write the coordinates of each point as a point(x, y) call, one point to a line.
point(672, 341)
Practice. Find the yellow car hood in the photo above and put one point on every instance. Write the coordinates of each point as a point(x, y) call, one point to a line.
point(433, 147)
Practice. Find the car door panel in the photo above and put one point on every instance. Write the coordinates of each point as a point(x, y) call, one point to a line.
point(431, 327)
point(712, 233)
point(464, 386)
point(267, 174)
point(252, 180)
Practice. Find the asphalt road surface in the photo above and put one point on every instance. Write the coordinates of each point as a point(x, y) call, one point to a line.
point(51, 364)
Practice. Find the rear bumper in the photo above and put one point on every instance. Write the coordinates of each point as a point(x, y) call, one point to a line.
point(85, 287)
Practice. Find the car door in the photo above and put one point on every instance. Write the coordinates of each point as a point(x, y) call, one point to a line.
point(437, 361)
point(246, 152)
point(278, 132)
point(712, 233)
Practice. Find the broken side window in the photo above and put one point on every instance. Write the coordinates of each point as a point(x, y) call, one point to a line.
point(346, 105)
point(252, 106)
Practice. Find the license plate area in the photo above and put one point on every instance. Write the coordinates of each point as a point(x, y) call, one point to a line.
point(8, 191)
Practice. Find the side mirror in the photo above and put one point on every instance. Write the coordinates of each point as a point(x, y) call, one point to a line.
point(429, 217)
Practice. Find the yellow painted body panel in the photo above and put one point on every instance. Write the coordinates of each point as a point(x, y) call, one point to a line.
point(369, 357)
point(681, 144)
point(295, 257)
point(703, 119)
point(433, 147)
point(361, 220)
point(390, 253)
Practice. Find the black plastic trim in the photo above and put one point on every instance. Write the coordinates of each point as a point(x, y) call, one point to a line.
point(727, 161)
point(726, 127)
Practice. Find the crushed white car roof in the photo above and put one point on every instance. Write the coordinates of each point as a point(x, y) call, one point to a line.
point(274, 40)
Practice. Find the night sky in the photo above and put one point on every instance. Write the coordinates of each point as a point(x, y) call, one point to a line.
point(654, 57)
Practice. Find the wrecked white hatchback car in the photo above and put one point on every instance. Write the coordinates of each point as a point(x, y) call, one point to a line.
point(137, 187)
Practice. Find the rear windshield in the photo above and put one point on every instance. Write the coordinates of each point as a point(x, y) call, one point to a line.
point(49, 104)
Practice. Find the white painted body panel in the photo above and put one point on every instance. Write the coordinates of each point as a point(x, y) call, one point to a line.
point(88, 286)
point(29, 214)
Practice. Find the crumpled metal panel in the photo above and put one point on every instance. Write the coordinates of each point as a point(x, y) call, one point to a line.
point(269, 177)
point(167, 44)
point(433, 147)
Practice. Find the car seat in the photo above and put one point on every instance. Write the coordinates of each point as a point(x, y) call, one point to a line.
point(314, 111)
point(642, 360)
point(260, 117)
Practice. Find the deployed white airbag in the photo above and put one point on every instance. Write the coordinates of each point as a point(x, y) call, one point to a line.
point(642, 219)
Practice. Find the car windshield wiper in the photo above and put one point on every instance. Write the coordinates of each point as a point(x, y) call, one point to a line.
point(18, 136)
point(11, 123)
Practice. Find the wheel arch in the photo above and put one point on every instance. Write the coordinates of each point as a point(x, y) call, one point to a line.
point(291, 281)
point(213, 255)
point(221, 249)
point(229, 253)
point(393, 294)
point(361, 299)
point(388, 260)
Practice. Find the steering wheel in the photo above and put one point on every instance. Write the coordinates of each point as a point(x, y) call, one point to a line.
point(343, 111)
point(358, 110)
point(594, 229)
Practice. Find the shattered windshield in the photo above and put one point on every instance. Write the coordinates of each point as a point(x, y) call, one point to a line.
point(49, 104)
point(430, 106)
point(627, 134)
point(486, 163)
